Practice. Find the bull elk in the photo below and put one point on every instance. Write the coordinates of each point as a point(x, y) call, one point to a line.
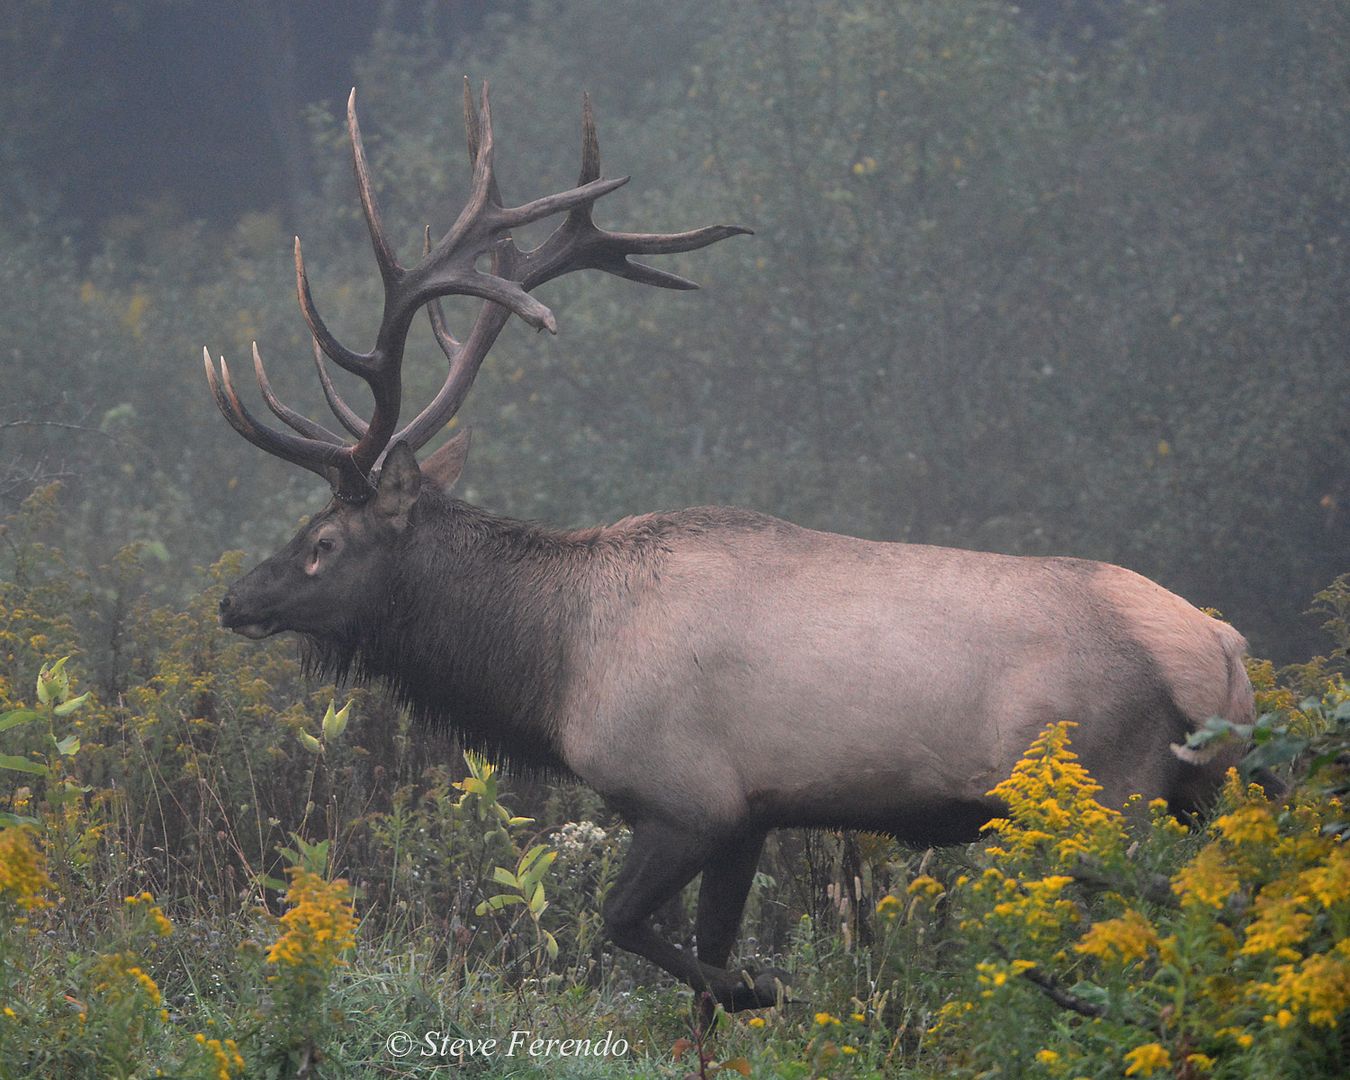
point(712, 673)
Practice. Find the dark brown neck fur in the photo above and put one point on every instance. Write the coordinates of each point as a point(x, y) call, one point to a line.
point(475, 630)
point(478, 630)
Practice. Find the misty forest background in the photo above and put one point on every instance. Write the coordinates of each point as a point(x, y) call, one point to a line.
point(1058, 278)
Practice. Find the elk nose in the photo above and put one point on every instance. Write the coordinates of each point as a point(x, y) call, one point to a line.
point(226, 602)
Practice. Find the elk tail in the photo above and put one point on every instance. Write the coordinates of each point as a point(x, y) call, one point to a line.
point(1239, 705)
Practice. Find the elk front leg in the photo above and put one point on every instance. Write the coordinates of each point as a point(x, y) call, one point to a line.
point(661, 860)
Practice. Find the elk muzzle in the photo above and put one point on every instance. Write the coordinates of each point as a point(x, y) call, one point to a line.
point(234, 617)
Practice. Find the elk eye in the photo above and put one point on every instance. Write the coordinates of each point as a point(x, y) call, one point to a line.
point(325, 544)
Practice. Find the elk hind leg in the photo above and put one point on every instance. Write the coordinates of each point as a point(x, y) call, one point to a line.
point(721, 897)
point(721, 903)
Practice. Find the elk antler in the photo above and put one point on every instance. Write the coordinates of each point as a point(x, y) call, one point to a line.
point(447, 268)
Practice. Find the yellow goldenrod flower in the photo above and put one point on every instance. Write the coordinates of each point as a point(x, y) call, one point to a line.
point(1252, 825)
point(1036, 906)
point(1147, 1059)
point(1047, 1057)
point(755, 1022)
point(1319, 987)
point(23, 875)
point(1242, 1038)
point(319, 926)
point(949, 1012)
point(1208, 880)
point(153, 913)
point(1329, 883)
point(147, 984)
point(889, 907)
point(1051, 806)
point(1282, 921)
point(824, 1019)
point(1119, 941)
point(225, 1056)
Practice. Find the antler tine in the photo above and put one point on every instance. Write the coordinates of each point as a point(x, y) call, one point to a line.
point(444, 338)
point(317, 457)
point(347, 416)
point(450, 345)
point(384, 254)
point(357, 363)
point(283, 412)
point(590, 144)
point(610, 251)
point(471, 129)
point(578, 243)
point(455, 389)
point(589, 185)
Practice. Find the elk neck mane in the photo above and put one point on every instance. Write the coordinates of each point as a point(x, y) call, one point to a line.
point(480, 626)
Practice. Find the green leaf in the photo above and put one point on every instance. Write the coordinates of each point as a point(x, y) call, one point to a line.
point(68, 707)
point(22, 764)
point(528, 858)
point(313, 857)
point(15, 717)
point(68, 746)
point(496, 903)
point(550, 945)
point(502, 876)
point(537, 901)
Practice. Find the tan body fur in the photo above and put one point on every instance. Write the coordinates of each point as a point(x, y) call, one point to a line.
point(774, 675)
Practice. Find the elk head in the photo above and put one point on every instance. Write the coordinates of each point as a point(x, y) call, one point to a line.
point(335, 566)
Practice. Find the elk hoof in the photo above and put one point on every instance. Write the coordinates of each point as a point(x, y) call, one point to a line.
point(751, 989)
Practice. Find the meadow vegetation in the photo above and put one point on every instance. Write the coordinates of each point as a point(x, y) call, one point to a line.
point(209, 869)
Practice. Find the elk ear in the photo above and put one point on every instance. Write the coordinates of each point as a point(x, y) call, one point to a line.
point(400, 483)
point(443, 466)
